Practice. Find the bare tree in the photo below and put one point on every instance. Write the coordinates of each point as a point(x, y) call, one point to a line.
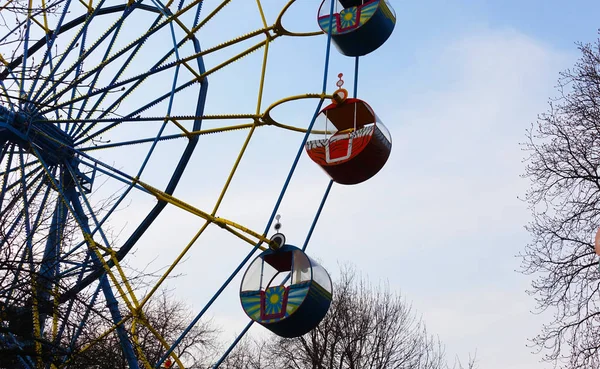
point(366, 327)
point(41, 258)
point(471, 363)
point(249, 353)
point(17, 18)
point(73, 332)
point(562, 166)
point(169, 318)
point(26, 260)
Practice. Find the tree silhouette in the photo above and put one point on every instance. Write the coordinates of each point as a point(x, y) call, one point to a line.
point(562, 165)
point(367, 327)
point(169, 317)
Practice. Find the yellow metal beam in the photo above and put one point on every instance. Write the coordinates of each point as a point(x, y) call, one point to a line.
point(281, 30)
point(181, 127)
point(93, 246)
point(5, 5)
point(40, 25)
point(160, 195)
point(37, 330)
point(96, 340)
point(162, 341)
point(258, 106)
point(88, 6)
point(174, 264)
point(210, 16)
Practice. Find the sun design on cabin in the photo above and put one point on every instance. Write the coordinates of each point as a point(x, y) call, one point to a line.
point(274, 300)
point(348, 17)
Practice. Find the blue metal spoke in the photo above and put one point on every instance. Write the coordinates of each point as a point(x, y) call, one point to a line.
point(11, 152)
point(70, 25)
point(233, 344)
point(17, 183)
point(50, 62)
point(112, 171)
point(20, 24)
point(97, 227)
point(27, 165)
point(119, 119)
point(71, 200)
point(17, 222)
point(89, 73)
point(72, 301)
point(28, 236)
point(74, 131)
point(22, 95)
point(5, 148)
point(63, 57)
point(40, 209)
point(171, 97)
point(317, 216)
point(49, 43)
point(132, 142)
point(96, 70)
point(25, 187)
point(13, 31)
point(77, 269)
point(96, 74)
point(136, 79)
point(170, 106)
point(4, 92)
point(138, 111)
point(112, 302)
point(130, 186)
point(91, 211)
point(164, 10)
point(14, 171)
point(50, 264)
point(115, 78)
point(25, 361)
point(86, 316)
point(153, 214)
point(15, 199)
point(33, 167)
point(77, 71)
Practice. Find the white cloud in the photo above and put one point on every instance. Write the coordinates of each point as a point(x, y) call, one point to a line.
point(455, 176)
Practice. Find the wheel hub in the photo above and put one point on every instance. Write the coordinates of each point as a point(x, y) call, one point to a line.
point(31, 131)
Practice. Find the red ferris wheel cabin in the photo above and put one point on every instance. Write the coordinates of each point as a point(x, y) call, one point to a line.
point(350, 143)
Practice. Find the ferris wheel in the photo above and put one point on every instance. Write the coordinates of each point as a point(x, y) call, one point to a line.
point(96, 98)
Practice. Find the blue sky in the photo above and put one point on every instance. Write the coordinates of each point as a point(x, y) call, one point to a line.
point(457, 84)
point(548, 21)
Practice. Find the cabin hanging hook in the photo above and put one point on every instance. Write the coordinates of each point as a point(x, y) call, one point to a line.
point(278, 239)
point(341, 94)
point(277, 223)
point(340, 83)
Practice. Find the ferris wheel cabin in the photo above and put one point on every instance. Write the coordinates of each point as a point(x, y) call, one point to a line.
point(286, 291)
point(359, 26)
point(353, 146)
